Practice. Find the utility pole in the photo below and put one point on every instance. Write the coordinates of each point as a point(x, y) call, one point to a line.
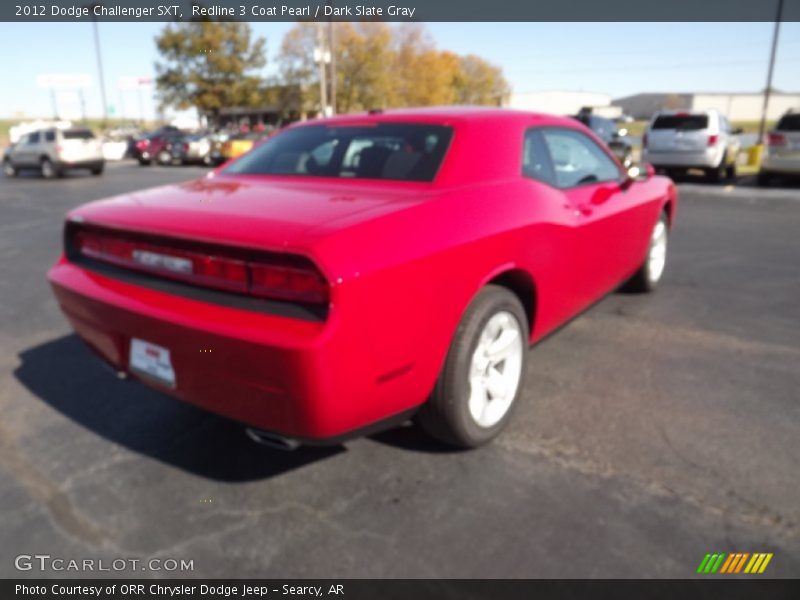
point(768, 89)
point(322, 56)
point(331, 41)
point(91, 6)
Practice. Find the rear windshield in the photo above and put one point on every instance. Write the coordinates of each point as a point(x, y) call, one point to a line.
point(682, 122)
point(789, 123)
point(78, 134)
point(397, 151)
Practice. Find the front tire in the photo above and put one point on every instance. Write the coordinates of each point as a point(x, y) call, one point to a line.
point(9, 170)
point(650, 273)
point(482, 375)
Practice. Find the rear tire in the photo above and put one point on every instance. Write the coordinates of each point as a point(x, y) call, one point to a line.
point(648, 276)
point(764, 179)
point(164, 158)
point(48, 169)
point(145, 162)
point(482, 374)
point(718, 174)
point(9, 170)
point(730, 172)
point(96, 171)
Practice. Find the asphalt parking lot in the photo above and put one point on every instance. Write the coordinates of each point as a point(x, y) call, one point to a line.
point(653, 430)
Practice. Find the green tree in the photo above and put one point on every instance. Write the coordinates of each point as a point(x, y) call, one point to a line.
point(209, 65)
point(378, 66)
point(480, 82)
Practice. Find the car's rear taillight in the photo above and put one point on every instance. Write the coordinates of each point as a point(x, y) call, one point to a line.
point(142, 144)
point(222, 270)
point(185, 147)
point(288, 283)
point(776, 139)
point(713, 139)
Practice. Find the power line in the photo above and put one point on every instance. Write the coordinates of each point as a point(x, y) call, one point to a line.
point(665, 66)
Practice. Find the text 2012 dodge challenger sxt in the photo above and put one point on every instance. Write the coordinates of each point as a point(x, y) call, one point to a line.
point(351, 272)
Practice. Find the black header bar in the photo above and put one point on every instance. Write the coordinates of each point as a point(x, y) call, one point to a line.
point(401, 10)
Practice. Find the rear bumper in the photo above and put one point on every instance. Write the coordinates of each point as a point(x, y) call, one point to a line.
point(703, 159)
point(304, 379)
point(775, 164)
point(94, 163)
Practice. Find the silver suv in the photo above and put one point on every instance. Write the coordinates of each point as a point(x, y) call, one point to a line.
point(782, 156)
point(676, 141)
point(54, 151)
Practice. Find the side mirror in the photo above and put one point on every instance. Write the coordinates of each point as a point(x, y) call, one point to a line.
point(637, 173)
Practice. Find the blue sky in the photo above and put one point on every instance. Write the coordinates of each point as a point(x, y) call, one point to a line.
point(614, 58)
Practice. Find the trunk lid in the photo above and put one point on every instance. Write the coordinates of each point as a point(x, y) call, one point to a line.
point(249, 211)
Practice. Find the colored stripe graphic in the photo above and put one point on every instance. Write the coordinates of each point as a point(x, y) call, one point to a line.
point(727, 564)
point(734, 562)
point(717, 563)
point(703, 563)
point(730, 564)
point(741, 562)
point(764, 564)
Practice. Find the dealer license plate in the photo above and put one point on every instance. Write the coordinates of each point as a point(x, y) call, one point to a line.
point(152, 361)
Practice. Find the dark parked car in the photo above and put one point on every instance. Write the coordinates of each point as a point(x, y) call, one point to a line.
point(607, 131)
point(157, 146)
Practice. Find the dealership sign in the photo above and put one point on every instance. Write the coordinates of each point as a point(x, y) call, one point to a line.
point(64, 82)
point(133, 83)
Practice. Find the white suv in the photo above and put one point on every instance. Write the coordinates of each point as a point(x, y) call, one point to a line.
point(676, 141)
point(53, 151)
point(782, 157)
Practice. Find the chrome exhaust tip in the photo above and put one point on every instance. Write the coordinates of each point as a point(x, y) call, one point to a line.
point(115, 372)
point(272, 440)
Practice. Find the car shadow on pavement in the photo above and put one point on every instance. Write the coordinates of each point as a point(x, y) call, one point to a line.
point(64, 374)
point(412, 438)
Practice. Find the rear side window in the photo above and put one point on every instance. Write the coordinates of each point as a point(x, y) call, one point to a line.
point(577, 159)
point(682, 122)
point(34, 138)
point(49, 136)
point(536, 163)
point(393, 151)
point(789, 123)
point(78, 134)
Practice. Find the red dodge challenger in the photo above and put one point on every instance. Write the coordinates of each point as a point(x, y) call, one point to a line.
point(352, 272)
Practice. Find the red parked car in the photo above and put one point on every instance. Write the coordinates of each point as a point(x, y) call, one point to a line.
point(350, 273)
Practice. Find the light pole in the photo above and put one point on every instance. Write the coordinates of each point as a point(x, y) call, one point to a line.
point(768, 89)
point(322, 56)
point(331, 41)
point(91, 7)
